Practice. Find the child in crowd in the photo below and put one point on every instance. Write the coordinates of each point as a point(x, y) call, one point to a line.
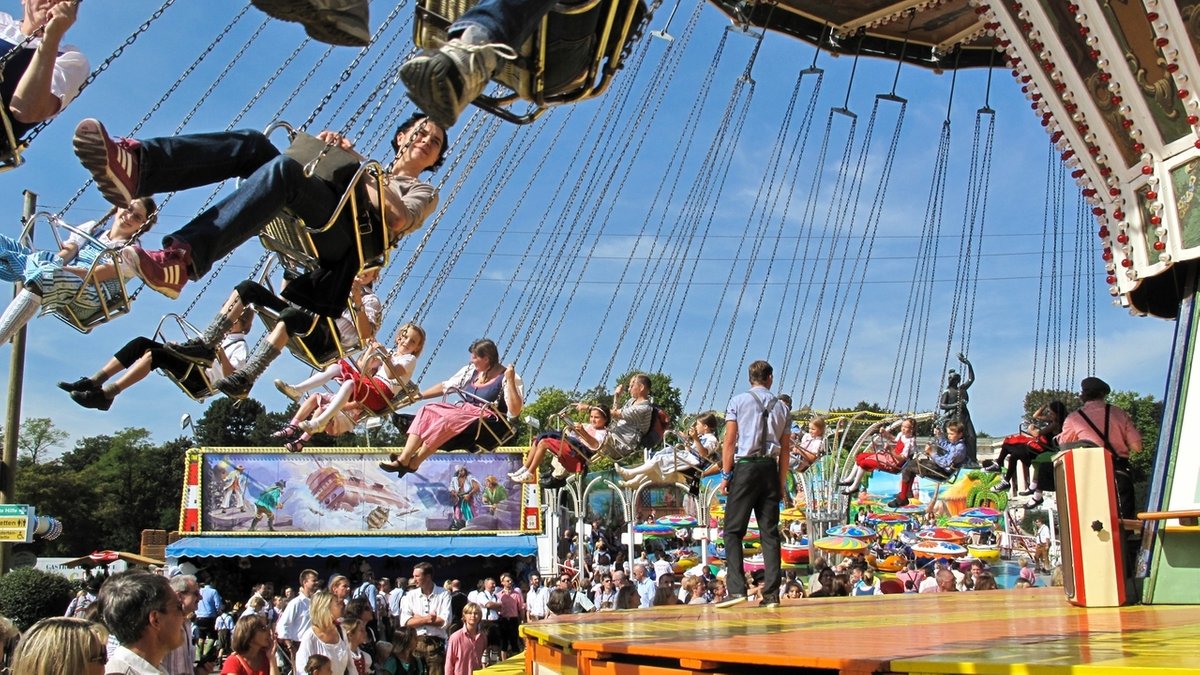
point(404, 642)
point(356, 634)
point(318, 664)
point(367, 386)
point(464, 649)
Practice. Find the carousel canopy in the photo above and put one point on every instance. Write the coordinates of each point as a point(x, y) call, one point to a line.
point(877, 28)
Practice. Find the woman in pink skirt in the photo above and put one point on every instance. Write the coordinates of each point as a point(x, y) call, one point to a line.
point(484, 381)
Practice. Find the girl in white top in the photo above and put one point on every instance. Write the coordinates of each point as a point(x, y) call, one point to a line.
point(367, 387)
point(324, 636)
point(810, 447)
point(694, 458)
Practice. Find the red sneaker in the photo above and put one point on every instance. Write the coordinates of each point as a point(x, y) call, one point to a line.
point(165, 271)
point(113, 163)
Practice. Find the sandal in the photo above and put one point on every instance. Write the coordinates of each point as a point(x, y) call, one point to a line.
point(289, 432)
point(294, 446)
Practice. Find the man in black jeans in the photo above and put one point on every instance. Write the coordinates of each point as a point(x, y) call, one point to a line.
point(754, 468)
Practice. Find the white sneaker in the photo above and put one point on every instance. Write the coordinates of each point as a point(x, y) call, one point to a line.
point(519, 474)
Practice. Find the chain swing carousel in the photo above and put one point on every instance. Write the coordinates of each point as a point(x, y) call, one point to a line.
point(931, 34)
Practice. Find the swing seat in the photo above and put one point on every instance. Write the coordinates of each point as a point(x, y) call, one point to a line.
point(13, 148)
point(295, 243)
point(490, 431)
point(572, 55)
point(313, 355)
point(302, 347)
point(195, 381)
point(111, 298)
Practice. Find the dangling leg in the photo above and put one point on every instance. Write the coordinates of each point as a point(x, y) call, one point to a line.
point(318, 423)
point(335, 22)
point(203, 350)
point(18, 313)
point(238, 383)
point(399, 463)
point(295, 391)
point(856, 477)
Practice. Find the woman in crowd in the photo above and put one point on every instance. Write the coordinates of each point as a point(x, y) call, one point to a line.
point(62, 645)
point(324, 637)
point(356, 635)
point(484, 381)
point(404, 643)
point(252, 647)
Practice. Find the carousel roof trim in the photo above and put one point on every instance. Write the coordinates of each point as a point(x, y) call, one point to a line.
point(451, 546)
point(877, 28)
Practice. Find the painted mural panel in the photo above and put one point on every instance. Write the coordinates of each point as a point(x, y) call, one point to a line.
point(1183, 183)
point(1133, 32)
point(1079, 53)
point(344, 491)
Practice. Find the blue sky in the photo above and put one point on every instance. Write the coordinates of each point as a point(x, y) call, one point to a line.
point(629, 231)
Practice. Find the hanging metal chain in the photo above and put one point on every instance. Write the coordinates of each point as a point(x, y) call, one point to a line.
point(92, 78)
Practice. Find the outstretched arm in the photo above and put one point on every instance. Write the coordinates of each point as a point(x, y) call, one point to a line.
point(970, 377)
point(33, 101)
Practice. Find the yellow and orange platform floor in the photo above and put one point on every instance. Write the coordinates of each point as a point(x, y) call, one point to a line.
point(991, 632)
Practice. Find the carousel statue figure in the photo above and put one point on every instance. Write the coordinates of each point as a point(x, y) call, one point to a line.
point(952, 407)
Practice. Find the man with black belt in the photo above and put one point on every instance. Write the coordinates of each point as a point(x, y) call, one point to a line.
point(754, 466)
point(426, 609)
point(1099, 424)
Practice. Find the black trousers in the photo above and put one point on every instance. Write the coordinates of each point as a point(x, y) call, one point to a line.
point(753, 488)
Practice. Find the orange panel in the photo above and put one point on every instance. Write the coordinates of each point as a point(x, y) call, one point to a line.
point(1032, 631)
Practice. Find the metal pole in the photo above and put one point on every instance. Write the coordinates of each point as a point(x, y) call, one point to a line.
point(12, 418)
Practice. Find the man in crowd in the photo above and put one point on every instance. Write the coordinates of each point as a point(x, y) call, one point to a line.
point(207, 611)
point(512, 608)
point(292, 623)
point(395, 596)
point(458, 600)
point(182, 659)
point(426, 609)
point(146, 616)
point(754, 471)
point(536, 598)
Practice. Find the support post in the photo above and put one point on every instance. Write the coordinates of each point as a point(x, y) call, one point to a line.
point(12, 417)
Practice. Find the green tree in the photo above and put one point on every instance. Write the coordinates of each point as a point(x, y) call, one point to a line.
point(38, 435)
point(549, 401)
point(1040, 397)
point(230, 423)
point(141, 485)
